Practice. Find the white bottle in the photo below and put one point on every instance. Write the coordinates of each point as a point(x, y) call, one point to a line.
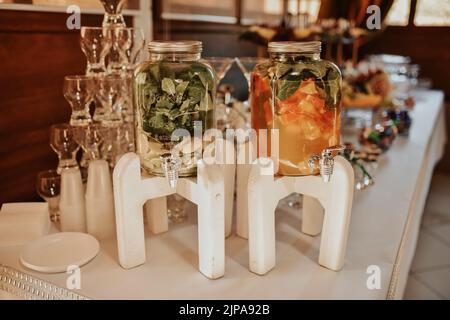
point(100, 215)
point(71, 205)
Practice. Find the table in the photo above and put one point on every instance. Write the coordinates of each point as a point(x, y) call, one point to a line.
point(383, 232)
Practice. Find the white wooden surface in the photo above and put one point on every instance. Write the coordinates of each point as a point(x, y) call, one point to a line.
point(383, 231)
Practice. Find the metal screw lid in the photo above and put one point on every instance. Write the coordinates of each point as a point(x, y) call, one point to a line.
point(294, 47)
point(187, 46)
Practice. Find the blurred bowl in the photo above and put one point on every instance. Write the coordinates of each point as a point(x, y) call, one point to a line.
point(381, 135)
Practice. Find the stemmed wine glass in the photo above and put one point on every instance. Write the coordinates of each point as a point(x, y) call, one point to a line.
point(95, 43)
point(120, 142)
point(116, 143)
point(293, 201)
point(176, 208)
point(247, 64)
point(133, 51)
point(79, 92)
point(226, 116)
point(127, 99)
point(48, 187)
point(113, 13)
point(121, 41)
point(91, 139)
point(63, 142)
point(112, 90)
point(129, 136)
point(221, 65)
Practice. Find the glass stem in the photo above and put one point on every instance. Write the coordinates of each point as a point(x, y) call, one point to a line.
point(95, 68)
point(116, 20)
point(66, 163)
point(53, 208)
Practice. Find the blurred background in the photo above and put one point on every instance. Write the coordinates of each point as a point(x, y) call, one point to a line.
point(37, 50)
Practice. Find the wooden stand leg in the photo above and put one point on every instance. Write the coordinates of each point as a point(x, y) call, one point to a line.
point(261, 222)
point(246, 154)
point(337, 216)
point(243, 172)
point(211, 224)
point(128, 209)
point(230, 173)
point(156, 213)
point(312, 216)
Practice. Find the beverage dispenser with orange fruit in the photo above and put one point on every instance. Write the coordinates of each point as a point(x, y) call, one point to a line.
point(298, 94)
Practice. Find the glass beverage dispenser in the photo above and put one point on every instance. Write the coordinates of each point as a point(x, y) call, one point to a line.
point(300, 95)
point(174, 93)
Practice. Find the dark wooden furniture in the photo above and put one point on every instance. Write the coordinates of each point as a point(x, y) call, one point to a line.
point(36, 52)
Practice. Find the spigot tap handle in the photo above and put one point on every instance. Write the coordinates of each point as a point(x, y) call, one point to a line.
point(325, 162)
point(171, 165)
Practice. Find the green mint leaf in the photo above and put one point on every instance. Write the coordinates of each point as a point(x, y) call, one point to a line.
point(195, 93)
point(282, 69)
point(332, 82)
point(154, 71)
point(185, 105)
point(164, 103)
point(174, 113)
point(184, 119)
point(332, 93)
point(170, 127)
point(206, 103)
point(286, 88)
point(168, 86)
point(182, 87)
point(156, 122)
point(206, 79)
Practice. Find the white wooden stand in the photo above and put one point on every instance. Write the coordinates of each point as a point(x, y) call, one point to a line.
point(326, 209)
point(212, 190)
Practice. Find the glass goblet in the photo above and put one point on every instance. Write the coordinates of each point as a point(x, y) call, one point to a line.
point(112, 90)
point(176, 209)
point(115, 144)
point(120, 142)
point(48, 187)
point(113, 13)
point(247, 64)
point(121, 41)
point(100, 105)
point(221, 65)
point(134, 51)
point(79, 92)
point(127, 99)
point(129, 136)
point(91, 139)
point(63, 142)
point(95, 43)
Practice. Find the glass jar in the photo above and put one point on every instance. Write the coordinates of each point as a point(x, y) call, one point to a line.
point(300, 95)
point(173, 90)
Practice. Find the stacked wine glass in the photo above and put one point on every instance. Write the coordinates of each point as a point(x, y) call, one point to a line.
point(101, 100)
point(101, 124)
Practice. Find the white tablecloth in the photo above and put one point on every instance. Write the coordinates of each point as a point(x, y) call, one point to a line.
point(383, 232)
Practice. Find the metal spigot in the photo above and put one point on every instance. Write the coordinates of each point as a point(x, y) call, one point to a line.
point(325, 162)
point(171, 165)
